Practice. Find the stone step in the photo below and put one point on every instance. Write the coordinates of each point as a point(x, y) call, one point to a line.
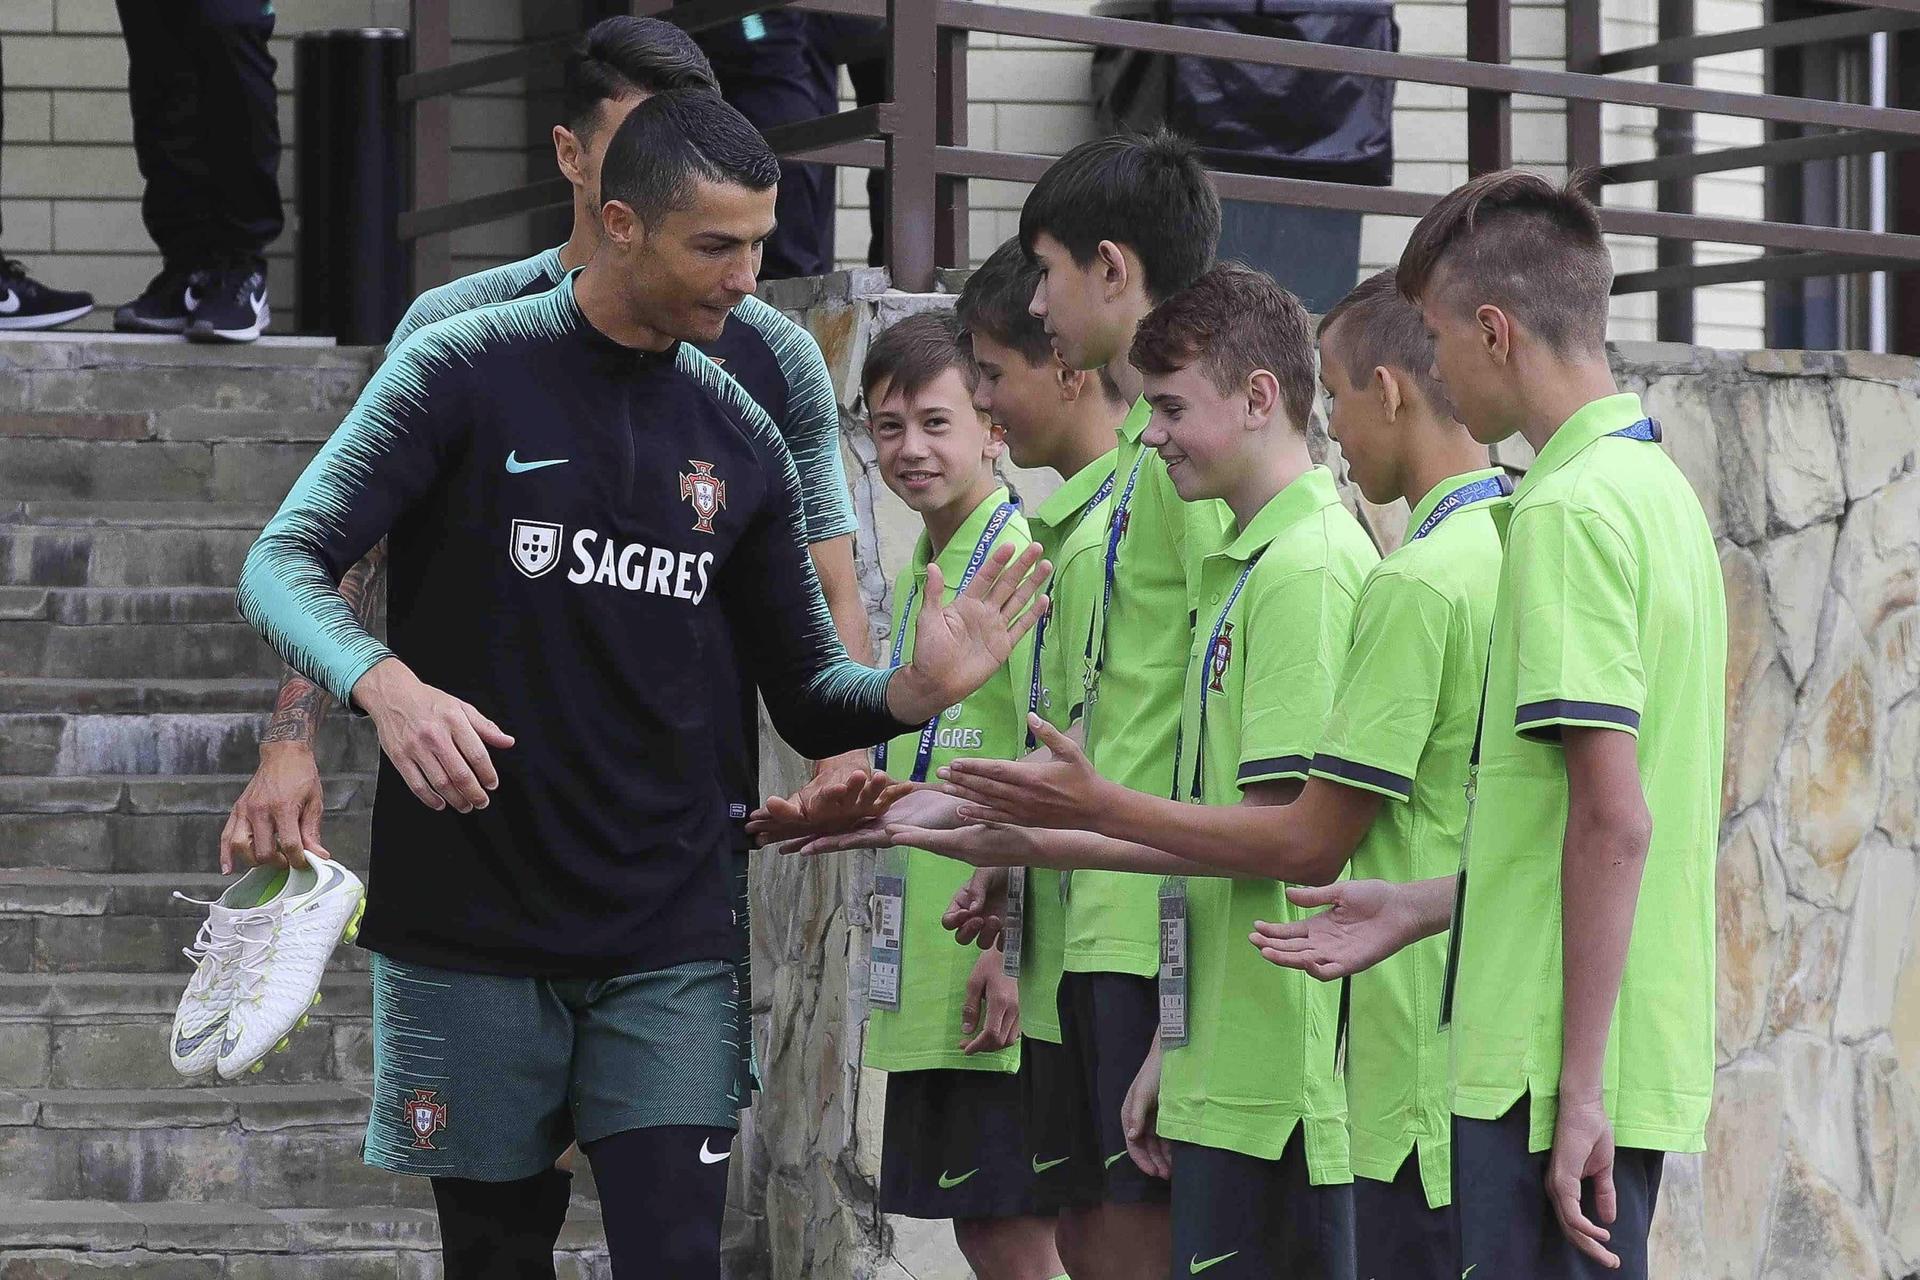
point(102, 606)
point(101, 513)
point(154, 843)
point(272, 1145)
point(39, 468)
point(130, 555)
point(109, 1031)
point(127, 650)
point(110, 793)
point(81, 696)
point(55, 921)
point(56, 744)
point(92, 1239)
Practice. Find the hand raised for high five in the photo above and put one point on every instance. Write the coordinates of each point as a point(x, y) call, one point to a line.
point(920, 807)
point(1060, 790)
point(958, 644)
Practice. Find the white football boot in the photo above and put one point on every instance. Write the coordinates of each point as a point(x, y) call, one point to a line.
point(283, 952)
point(200, 1022)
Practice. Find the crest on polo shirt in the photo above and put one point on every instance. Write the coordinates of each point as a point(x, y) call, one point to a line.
point(534, 546)
point(426, 1116)
point(1222, 655)
point(705, 491)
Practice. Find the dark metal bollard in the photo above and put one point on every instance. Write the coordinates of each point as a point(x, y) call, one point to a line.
point(351, 182)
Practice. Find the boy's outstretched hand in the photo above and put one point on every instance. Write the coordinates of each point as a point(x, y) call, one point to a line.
point(980, 845)
point(1062, 792)
point(1365, 922)
point(824, 808)
point(959, 644)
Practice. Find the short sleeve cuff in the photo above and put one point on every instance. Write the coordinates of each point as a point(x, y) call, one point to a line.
point(1366, 777)
point(1543, 721)
point(1273, 768)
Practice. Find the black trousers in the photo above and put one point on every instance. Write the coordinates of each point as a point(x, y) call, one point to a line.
point(206, 129)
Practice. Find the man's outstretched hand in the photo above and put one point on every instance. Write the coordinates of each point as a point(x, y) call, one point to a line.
point(959, 644)
point(1365, 922)
point(827, 807)
point(1059, 790)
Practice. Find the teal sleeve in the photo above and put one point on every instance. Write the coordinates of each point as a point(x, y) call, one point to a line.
point(812, 426)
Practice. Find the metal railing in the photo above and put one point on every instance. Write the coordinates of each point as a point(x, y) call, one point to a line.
point(918, 136)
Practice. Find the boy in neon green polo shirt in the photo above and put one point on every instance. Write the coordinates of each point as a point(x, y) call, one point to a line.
point(1401, 728)
point(945, 1025)
point(1582, 987)
point(1064, 419)
point(1249, 1094)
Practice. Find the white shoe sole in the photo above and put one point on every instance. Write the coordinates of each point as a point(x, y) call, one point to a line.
point(46, 320)
point(207, 333)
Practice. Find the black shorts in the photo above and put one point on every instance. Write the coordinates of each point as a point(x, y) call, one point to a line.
point(1107, 1025)
point(1045, 1071)
point(1397, 1235)
point(1507, 1227)
point(1236, 1217)
point(953, 1146)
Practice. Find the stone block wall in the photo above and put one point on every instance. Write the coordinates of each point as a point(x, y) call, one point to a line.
point(1809, 468)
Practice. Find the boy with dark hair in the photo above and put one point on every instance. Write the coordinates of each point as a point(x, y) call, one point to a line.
point(1115, 227)
point(1251, 1116)
point(1581, 981)
point(945, 1024)
point(560, 964)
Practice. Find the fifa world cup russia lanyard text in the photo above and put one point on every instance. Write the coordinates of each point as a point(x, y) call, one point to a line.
point(1206, 668)
point(1040, 628)
point(923, 756)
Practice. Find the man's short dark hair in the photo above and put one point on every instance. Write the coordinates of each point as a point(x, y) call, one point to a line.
point(914, 351)
point(1145, 191)
point(623, 55)
point(673, 140)
point(1379, 326)
point(1232, 321)
point(1515, 240)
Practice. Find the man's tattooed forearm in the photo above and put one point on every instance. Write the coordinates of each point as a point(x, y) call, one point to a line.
point(301, 703)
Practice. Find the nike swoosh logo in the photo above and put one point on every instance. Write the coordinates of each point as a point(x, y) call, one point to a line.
point(948, 1184)
point(228, 1044)
point(10, 303)
point(190, 299)
point(516, 467)
point(1114, 1158)
point(331, 878)
point(1041, 1166)
point(712, 1157)
point(185, 1045)
point(1195, 1267)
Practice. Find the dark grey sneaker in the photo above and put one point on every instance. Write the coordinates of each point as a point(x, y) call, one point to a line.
point(163, 308)
point(229, 303)
point(25, 303)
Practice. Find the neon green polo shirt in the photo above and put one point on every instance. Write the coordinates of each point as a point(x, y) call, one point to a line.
point(1260, 1055)
point(1072, 526)
point(925, 1031)
point(1402, 726)
point(1612, 614)
point(1140, 651)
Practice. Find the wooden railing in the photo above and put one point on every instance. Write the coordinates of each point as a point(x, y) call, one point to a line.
point(918, 136)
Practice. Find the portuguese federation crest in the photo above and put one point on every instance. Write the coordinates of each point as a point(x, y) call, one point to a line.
point(1221, 656)
point(706, 491)
point(535, 546)
point(425, 1116)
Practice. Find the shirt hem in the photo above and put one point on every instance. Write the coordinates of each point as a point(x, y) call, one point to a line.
point(1205, 1135)
point(1003, 1062)
point(1542, 721)
point(1130, 963)
point(1365, 777)
point(722, 946)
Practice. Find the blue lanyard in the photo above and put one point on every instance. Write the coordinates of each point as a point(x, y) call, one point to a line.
point(923, 756)
point(1466, 495)
point(1040, 628)
point(1206, 672)
point(1116, 526)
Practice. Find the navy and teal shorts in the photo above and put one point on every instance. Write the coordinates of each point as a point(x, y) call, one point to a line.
point(491, 1077)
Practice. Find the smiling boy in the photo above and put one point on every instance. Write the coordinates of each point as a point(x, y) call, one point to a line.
point(945, 1020)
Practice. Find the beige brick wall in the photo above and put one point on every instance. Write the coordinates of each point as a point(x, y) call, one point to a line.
point(70, 188)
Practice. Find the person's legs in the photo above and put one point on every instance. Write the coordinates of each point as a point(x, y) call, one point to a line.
point(1237, 1217)
point(1397, 1235)
point(501, 1230)
point(662, 1195)
point(1008, 1248)
point(238, 127)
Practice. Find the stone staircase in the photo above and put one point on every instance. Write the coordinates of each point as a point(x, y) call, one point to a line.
point(134, 474)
